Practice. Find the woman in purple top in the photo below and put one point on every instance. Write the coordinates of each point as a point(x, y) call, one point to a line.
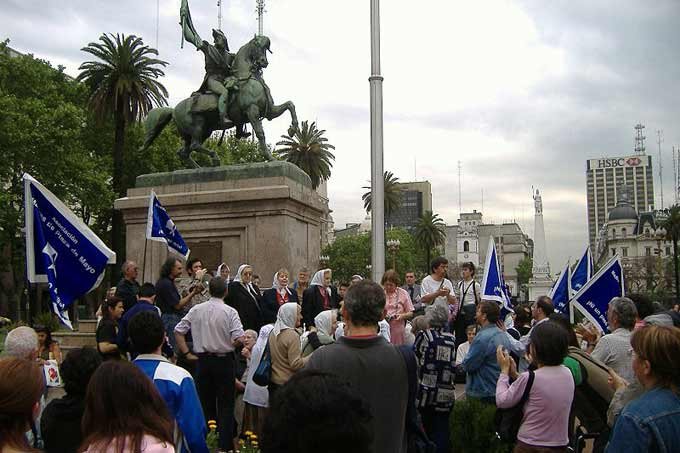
point(545, 424)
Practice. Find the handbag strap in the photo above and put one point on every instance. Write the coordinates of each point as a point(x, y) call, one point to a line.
point(527, 389)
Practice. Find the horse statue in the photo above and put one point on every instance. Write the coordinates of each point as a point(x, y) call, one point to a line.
point(249, 101)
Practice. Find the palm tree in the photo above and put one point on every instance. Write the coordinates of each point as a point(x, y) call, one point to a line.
point(672, 226)
point(123, 85)
point(310, 151)
point(430, 233)
point(392, 194)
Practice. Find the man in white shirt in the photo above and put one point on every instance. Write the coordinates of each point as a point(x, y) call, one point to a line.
point(540, 312)
point(469, 296)
point(437, 289)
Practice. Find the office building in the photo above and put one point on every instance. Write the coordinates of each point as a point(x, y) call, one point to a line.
point(606, 177)
point(416, 198)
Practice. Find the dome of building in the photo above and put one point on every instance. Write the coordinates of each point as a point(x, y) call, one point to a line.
point(623, 210)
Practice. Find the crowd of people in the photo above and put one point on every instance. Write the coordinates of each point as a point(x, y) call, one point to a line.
point(350, 366)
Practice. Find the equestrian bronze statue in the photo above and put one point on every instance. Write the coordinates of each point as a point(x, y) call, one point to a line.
point(233, 94)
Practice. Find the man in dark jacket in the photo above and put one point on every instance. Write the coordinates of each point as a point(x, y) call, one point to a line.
point(372, 366)
point(128, 287)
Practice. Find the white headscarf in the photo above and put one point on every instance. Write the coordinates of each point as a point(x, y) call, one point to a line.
point(248, 286)
point(219, 271)
point(241, 268)
point(324, 322)
point(279, 288)
point(286, 318)
point(318, 279)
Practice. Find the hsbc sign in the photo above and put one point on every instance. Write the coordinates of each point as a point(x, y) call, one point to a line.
point(614, 162)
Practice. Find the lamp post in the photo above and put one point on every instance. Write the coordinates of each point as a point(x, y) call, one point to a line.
point(393, 247)
point(377, 181)
point(323, 261)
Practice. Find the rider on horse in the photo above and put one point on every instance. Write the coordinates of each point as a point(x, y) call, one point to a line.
point(218, 61)
point(217, 71)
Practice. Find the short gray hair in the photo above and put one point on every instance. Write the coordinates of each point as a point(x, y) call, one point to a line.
point(625, 311)
point(21, 343)
point(437, 315)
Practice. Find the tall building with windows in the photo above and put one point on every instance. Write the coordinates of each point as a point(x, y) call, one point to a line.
point(416, 198)
point(606, 177)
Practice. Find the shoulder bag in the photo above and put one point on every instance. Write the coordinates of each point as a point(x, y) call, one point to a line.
point(263, 372)
point(508, 421)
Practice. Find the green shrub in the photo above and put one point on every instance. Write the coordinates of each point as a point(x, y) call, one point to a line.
point(473, 430)
point(48, 320)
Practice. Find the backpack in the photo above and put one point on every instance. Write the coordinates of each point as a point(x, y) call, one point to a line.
point(593, 395)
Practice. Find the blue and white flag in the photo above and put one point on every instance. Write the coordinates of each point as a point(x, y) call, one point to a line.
point(560, 291)
point(493, 285)
point(161, 228)
point(593, 298)
point(582, 272)
point(60, 249)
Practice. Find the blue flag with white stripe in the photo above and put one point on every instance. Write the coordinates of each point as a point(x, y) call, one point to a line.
point(161, 228)
point(593, 298)
point(582, 272)
point(493, 285)
point(560, 291)
point(60, 249)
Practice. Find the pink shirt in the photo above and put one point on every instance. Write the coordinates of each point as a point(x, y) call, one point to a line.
point(397, 303)
point(149, 445)
point(546, 413)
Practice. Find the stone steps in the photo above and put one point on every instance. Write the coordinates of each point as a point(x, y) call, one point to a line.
point(84, 336)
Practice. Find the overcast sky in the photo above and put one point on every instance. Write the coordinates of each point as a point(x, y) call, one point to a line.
point(521, 92)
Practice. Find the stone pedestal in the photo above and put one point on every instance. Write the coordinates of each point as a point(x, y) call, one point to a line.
point(539, 287)
point(263, 214)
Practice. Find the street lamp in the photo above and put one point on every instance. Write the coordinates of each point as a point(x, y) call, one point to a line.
point(393, 247)
point(377, 178)
point(323, 260)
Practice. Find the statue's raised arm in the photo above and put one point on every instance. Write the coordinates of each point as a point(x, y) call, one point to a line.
point(188, 31)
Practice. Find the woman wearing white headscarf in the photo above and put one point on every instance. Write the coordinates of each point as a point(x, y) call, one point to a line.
point(320, 296)
point(284, 346)
point(245, 298)
point(325, 324)
point(224, 272)
point(277, 295)
point(256, 397)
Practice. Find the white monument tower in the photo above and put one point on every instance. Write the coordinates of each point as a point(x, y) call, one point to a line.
point(540, 282)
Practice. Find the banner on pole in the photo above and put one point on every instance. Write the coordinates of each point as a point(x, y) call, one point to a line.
point(60, 249)
point(493, 285)
point(560, 291)
point(161, 228)
point(593, 298)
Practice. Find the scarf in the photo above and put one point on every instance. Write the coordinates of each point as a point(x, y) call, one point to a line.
point(286, 317)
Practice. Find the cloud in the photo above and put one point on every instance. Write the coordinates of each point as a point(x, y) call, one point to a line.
point(520, 92)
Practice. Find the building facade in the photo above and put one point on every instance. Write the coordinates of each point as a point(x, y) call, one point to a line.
point(605, 177)
point(639, 240)
point(416, 198)
point(469, 241)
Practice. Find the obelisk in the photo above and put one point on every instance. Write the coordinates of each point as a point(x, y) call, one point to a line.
point(540, 282)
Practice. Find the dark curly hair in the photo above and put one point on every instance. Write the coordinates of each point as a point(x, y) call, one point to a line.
point(365, 303)
point(334, 417)
point(167, 266)
point(77, 369)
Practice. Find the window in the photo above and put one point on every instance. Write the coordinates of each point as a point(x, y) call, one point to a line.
point(648, 251)
point(668, 251)
point(623, 232)
point(647, 232)
point(624, 251)
point(613, 233)
point(613, 252)
point(466, 246)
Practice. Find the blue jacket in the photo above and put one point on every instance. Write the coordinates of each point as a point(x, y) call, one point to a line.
point(176, 386)
point(650, 423)
point(480, 362)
